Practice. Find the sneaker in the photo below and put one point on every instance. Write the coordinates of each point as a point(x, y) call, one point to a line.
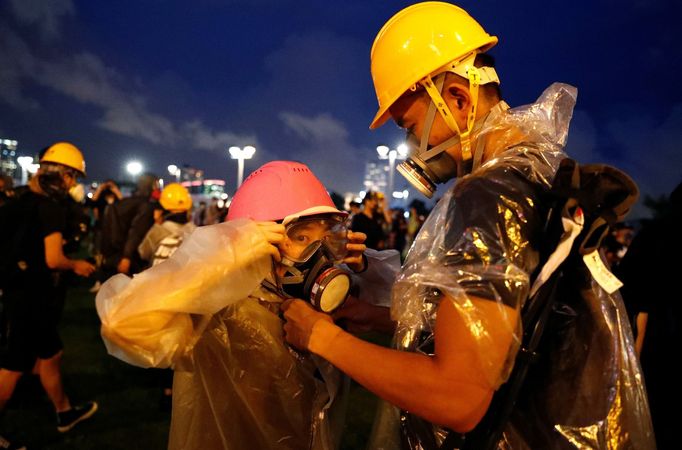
point(68, 419)
point(5, 444)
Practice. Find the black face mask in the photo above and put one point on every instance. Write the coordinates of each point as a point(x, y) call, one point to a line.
point(52, 184)
point(317, 280)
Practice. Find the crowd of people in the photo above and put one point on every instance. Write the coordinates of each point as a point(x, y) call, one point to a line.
point(253, 307)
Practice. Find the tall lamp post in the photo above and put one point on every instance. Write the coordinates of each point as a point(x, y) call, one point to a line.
point(240, 154)
point(386, 153)
point(174, 171)
point(25, 163)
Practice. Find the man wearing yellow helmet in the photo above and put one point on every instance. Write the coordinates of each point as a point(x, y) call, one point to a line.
point(468, 274)
point(34, 252)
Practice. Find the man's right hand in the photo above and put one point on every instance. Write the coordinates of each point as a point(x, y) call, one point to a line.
point(83, 268)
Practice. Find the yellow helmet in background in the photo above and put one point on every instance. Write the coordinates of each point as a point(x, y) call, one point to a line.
point(419, 41)
point(66, 154)
point(175, 197)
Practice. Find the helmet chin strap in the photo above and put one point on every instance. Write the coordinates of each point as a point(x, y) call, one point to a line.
point(434, 88)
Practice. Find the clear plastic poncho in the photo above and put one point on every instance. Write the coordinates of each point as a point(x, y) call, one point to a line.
point(481, 240)
point(203, 312)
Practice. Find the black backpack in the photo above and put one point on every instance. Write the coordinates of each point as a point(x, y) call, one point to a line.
point(604, 195)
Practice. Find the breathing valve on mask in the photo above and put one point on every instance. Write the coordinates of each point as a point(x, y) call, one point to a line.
point(317, 280)
point(427, 167)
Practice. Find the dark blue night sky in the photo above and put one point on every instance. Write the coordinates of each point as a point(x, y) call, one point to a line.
point(175, 82)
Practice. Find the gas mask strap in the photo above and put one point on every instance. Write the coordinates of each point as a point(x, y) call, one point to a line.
point(437, 99)
point(440, 148)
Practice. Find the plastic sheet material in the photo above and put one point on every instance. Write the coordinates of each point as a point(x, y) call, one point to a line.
point(374, 285)
point(237, 384)
point(481, 241)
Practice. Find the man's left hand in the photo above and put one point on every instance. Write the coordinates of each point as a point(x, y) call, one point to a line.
point(301, 318)
point(356, 247)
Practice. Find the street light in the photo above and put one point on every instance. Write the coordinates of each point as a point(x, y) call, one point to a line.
point(175, 171)
point(240, 154)
point(134, 168)
point(25, 162)
point(386, 153)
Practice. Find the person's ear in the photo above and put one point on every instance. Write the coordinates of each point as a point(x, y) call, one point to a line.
point(458, 97)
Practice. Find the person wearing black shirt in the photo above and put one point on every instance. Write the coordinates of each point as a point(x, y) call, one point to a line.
point(33, 342)
point(647, 271)
point(366, 222)
point(126, 222)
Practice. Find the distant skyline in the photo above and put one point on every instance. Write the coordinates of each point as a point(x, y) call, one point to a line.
point(176, 82)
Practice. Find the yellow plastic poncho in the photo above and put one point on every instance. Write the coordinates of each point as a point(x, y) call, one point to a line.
point(237, 385)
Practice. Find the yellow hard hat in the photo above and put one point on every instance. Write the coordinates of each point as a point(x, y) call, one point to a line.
point(421, 40)
point(66, 154)
point(175, 197)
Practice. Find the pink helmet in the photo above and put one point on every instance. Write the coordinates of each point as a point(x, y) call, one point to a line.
point(281, 190)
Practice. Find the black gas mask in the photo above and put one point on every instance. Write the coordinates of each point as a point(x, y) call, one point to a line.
point(313, 274)
point(52, 183)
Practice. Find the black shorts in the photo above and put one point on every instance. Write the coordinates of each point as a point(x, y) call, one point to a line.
point(29, 326)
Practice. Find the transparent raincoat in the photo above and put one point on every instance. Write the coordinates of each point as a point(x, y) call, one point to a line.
point(482, 239)
point(203, 312)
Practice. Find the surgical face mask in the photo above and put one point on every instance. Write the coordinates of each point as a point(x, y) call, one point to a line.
point(77, 192)
point(316, 246)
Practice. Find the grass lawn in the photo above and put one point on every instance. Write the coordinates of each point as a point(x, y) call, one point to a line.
point(129, 415)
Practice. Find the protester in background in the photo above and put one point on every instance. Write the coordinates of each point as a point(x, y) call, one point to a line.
point(125, 224)
point(212, 213)
point(163, 239)
point(370, 221)
point(6, 188)
point(398, 230)
point(106, 194)
point(199, 216)
point(647, 271)
point(32, 250)
point(355, 208)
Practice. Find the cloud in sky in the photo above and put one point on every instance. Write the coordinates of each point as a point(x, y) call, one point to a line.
point(650, 149)
point(46, 15)
point(324, 146)
point(322, 128)
point(85, 78)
